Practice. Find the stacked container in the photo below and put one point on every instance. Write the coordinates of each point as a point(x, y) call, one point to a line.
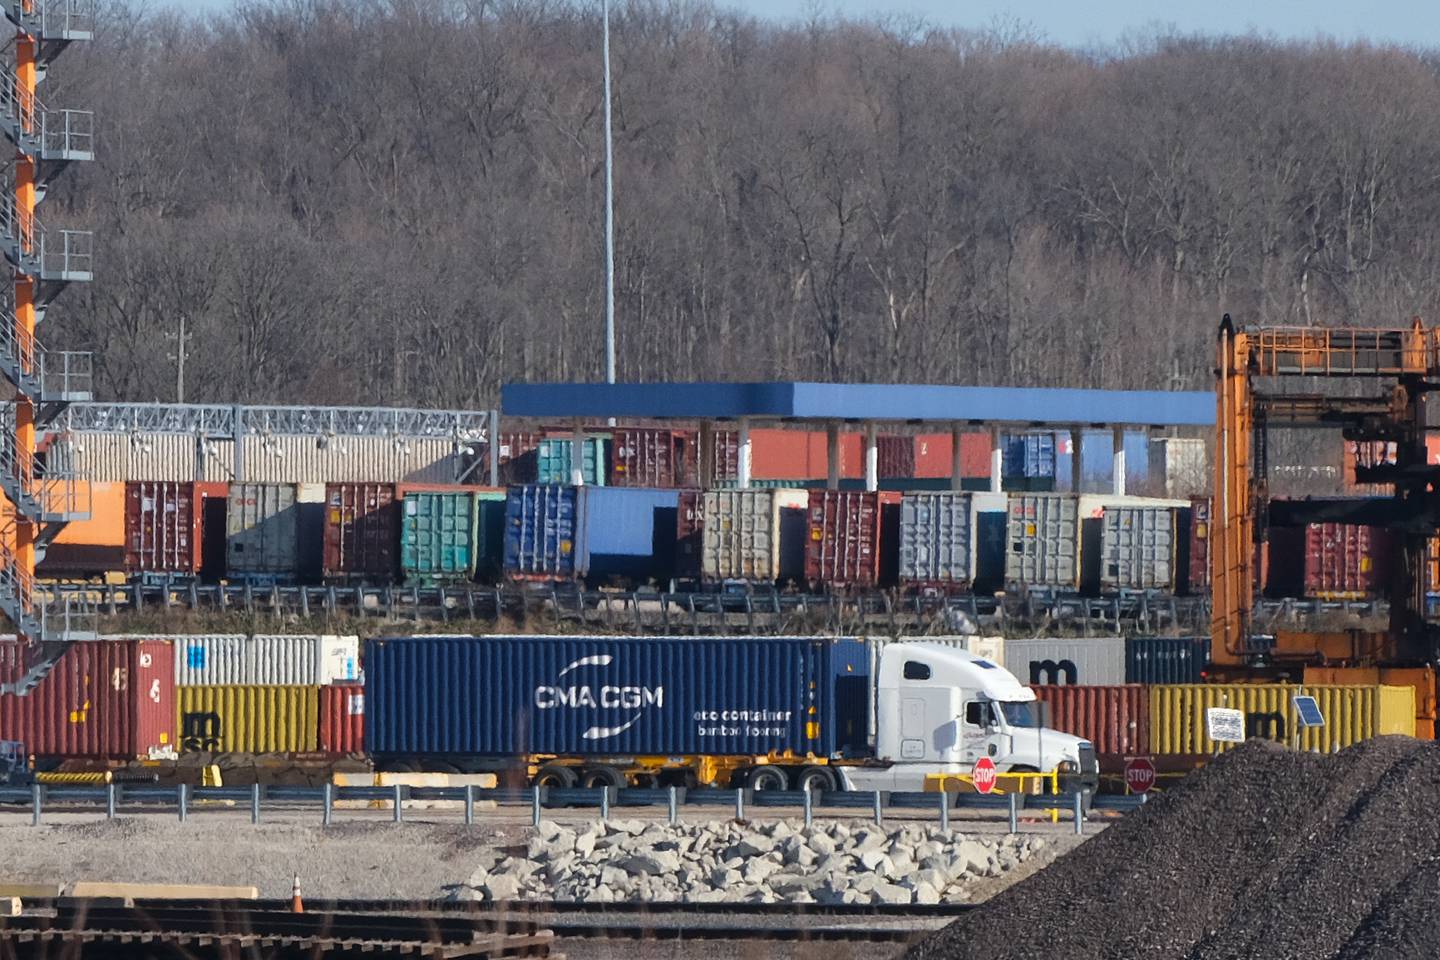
point(1099, 661)
point(1139, 548)
point(262, 532)
point(844, 546)
point(361, 532)
point(442, 537)
point(342, 719)
point(553, 460)
point(163, 527)
point(1043, 540)
point(744, 534)
point(936, 547)
point(1155, 660)
point(1200, 545)
point(1028, 460)
point(626, 534)
point(1116, 719)
point(1328, 561)
point(541, 525)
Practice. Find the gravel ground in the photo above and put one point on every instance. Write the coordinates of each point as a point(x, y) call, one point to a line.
point(1266, 853)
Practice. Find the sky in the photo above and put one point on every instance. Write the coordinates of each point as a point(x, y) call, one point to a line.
point(1082, 23)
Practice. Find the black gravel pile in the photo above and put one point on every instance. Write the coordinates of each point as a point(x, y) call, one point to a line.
point(1266, 853)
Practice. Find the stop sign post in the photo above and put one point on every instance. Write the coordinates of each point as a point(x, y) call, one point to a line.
point(983, 776)
point(1139, 774)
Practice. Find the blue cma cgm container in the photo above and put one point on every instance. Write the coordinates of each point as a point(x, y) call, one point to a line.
point(502, 697)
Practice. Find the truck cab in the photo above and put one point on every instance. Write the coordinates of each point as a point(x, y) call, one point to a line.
point(938, 709)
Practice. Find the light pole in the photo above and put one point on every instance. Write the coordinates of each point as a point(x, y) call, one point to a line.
point(609, 216)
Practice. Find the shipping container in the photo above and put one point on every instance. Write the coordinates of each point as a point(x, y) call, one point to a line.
point(626, 533)
point(895, 456)
point(934, 455)
point(845, 545)
point(745, 537)
point(441, 535)
point(1116, 719)
point(726, 467)
point(1199, 546)
point(802, 455)
point(1432, 564)
point(542, 523)
point(552, 463)
point(653, 457)
point(362, 532)
point(1043, 540)
point(1352, 714)
point(342, 719)
point(1028, 455)
point(689, 534)
point(1345, 560)
point(105, 699)
point(519, 457)
point(1098, 661)
point(1420, 679)
point(248, 719)
point(936, 548)
point(1139, 548)
point(1166, 659)
point(271, 660)
point(262, 526)
point(665, 696)
point(163, 527)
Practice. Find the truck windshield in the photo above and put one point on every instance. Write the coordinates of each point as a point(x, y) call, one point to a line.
point(1020, 714)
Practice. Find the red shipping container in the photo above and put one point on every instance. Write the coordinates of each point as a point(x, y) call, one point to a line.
point(895, 457)
point(801, 455)
point(933, 455)
point(1199, 545)
point(727, 457)
point(519, 458)
point(163, 527)
point(845, 543)
point(689, 534)
point(1345, 560)
point(105, 699)
point(362, 531)
point(342, 718)
point(650, 457)
point(1116, 719)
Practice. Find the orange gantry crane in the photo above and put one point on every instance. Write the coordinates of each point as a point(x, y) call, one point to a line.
point(41, 497)
point(1370, 384)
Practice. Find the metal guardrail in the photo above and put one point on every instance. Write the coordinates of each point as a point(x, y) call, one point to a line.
point(228, 421)
point(185, 799)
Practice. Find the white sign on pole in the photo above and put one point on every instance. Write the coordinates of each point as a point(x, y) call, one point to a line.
point(1225, 726)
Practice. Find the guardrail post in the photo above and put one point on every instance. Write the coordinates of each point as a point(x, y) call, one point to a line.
point(329, 803)
point(398, 815)
point(469, 804)
point(739, 803)
point(604, 803)
point(944, 810)
point(535, 806)
point(1079, 812)
point(255, 803)
point(35, 792)
point(1014, 812)
point(879, 814)
point(109, 801)
point(674, 806)
point(182, 799)
point(809, 806)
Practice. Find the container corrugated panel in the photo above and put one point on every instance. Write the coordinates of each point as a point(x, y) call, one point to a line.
point(1344, 560)
point(727, 457)
point(553, 461)
point(935, 542)
point(248, 719)
point(741, 539)
point(342, 719)
point(261, 524)
point(352, 459)
point(620, 521)
point(652, 457)
point(670, 696)
point(1116, 719)
point(1043, 540)
point(844, 543)
point(1166, 659)
point(1030, 455)
point(1138, 548)
point(542, 523)
point(1199, 545)
point(1099, 661)
point(362, 532)
point(162, 527)
point(895, 456)
point(272, 660)
point(103, 699)
point(1352, 714)
point(439, 535)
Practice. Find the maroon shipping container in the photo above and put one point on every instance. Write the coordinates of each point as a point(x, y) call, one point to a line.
point(105, 699)
point(362, 531)
point(1199, 545)
point(519, 456)
point(1344, 560)
point(895, 456)
point(1116, 719)
point(727, 458)
point(845, 544)
point(342, 718)
point(689, 534)
point(162, 527)
point(651, 457)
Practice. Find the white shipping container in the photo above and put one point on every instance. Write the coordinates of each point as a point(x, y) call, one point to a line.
point(271, 660)
point(1042, 540)
point(742, 538)
point(1043, 660)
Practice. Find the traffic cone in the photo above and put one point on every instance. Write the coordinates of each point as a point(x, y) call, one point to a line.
point(296, 904)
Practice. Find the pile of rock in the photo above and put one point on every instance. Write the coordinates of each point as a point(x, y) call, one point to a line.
point(832, 862)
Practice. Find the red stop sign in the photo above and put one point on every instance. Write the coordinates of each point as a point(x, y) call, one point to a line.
point(983, 776)
point(1139, 774)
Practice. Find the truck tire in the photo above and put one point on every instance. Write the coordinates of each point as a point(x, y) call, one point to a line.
point(766, 778)
point(555, 775)
point(816, 780)
point(592, 777)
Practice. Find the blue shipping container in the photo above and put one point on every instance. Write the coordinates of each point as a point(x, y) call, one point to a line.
point(541, 522)
point(1030, 455)
point(627, 533)
point(1166, 659)
point(609, 696)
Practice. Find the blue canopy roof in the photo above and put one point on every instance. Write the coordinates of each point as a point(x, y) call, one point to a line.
point(914, 403)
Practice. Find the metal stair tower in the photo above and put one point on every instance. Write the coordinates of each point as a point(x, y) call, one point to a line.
point(42, 498)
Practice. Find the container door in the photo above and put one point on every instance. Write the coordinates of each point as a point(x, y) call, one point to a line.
point(212, 539)
point(794, 531)
point(989, 551)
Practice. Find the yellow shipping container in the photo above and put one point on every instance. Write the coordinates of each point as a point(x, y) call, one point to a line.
point(248, 719)
point(1352, 714)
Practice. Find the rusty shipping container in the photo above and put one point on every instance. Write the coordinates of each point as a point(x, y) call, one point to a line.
point(248, 719)
point(362, 532)
point(164, 525)
point(1114, 718)
point(1199, 546)
point(846, 543)
point(653, 457)
point(104, 699)
point(1346, 560)
point(895, 456)
point(342, 719)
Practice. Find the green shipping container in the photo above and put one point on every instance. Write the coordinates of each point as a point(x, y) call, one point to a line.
point(438, 536)
point(553, 461)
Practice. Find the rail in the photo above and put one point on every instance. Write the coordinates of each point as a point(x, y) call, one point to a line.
point(1329, 352)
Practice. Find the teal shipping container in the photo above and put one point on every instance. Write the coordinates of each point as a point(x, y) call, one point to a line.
point(553, 461)
point(452, 535)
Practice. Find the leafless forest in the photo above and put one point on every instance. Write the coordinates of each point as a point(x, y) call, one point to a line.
point(401, 201)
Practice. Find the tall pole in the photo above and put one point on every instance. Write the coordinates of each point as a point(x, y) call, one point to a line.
point(609, 217)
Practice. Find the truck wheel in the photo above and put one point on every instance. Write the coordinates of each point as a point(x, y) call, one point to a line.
point(766, 778)
point(592, 777)
point(816, 780)
point(555, 775)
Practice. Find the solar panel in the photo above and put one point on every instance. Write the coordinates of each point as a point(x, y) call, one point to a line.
point(1308, 712)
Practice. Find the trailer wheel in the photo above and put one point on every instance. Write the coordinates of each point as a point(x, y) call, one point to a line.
point(555, 775)
point(766, 778)
point(817, 780)
point(592, 777)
